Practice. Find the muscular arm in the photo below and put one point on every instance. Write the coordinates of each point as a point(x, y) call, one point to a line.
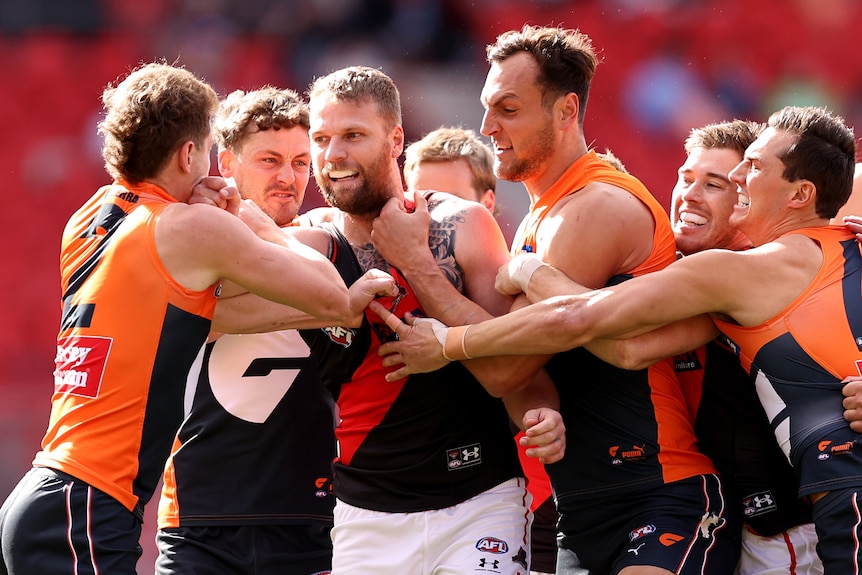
point(634, 353)
point(249, 313)
point(461, 235)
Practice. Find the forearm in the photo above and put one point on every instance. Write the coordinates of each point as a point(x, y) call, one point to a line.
point(439, 298)
point(540, 393)
point(249, 313)
point(547, 281)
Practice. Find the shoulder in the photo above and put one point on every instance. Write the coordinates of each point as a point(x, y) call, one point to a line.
point(312, 236)
point(449, 210)
point(598, 196)
point(198, 220)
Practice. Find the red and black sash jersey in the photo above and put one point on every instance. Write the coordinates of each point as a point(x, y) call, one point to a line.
point(798, 359)
point(429, 441)
point(627, 431)
point(733, 431)
point(128, 337)
point(270, 463)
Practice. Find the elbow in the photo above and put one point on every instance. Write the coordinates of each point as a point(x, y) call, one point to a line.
point(626, 360)
point(503, 381)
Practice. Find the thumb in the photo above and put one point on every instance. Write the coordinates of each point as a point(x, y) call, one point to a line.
point(421, 202)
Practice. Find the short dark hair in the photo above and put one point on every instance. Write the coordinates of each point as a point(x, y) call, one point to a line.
point(362, 84)
point(241, 114)
point(149, 115)
point(566, 60)
point(824, 153)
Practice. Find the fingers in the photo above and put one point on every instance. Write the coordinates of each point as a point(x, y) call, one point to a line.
point(389, 318)
point(231, 199)
point(551, 452)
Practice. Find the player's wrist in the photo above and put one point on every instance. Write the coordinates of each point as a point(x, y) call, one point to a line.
point(455, 346)
point(521, 269)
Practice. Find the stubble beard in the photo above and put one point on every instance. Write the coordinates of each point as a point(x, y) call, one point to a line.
point(539, 146)
point(363, 197)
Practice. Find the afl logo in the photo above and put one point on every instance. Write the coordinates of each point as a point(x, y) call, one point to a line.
point(492, 545)
point(641, 532)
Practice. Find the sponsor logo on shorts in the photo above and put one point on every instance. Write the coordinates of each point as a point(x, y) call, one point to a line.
point(758, 504)
point(492, 545)
point(641, 532)
point(668, 539)
point(461, 457)
point(485, 564)
point(80, 364)
point(343, 336)
point(828, 449)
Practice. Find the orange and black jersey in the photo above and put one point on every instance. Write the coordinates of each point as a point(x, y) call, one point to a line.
point(733, 431)
point(257, 445)
point(128, 335)
point(627, 431)
point(429, 441)
point(798, 359)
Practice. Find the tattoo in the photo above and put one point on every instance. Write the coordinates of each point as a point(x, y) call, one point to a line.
point(441, 240)
point(369, 258)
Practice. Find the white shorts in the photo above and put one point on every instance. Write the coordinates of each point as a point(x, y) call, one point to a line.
point(487, 533)
point(790, 552)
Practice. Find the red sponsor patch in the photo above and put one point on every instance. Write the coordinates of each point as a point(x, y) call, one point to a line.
point(80, 364)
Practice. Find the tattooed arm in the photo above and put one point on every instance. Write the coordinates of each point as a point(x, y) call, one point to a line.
point(449, 250)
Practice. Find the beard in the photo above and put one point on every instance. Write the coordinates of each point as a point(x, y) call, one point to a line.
point(535, 148)
point(364, 194)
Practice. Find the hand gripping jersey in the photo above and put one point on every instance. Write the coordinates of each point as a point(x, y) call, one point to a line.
point(128, 337)
point(627, 431)
point(733, 431)
point(797, 361)
point(426, 442)
point(258, 444)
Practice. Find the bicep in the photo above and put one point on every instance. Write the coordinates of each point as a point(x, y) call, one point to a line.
point(480, 253)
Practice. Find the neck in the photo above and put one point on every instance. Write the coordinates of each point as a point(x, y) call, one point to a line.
point(357, 228)
point(567, 153)
point(789, 226)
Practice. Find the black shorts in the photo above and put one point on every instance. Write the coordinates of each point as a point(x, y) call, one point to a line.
point(53, 523)
point(680, 526)
point(838, 522)
point(245, 550)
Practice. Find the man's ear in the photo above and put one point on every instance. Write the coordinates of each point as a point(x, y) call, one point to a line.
point(184, 156)
point(397, 141)
point(226, 158)
point(804, 195)
point(567, 109)
point(488, 200)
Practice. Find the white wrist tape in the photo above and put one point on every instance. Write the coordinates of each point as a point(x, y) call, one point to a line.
point(521, 269)
point(440, 331)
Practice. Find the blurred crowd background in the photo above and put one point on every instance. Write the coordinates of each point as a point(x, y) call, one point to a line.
point(667, 66)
